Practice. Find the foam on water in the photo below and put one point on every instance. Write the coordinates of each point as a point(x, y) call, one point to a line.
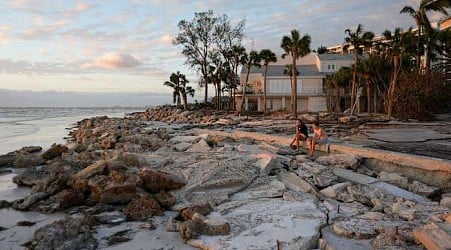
point(43, 126)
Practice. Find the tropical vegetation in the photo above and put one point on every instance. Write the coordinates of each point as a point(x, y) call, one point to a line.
point(382, 75)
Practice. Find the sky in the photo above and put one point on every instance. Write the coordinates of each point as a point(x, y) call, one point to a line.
point(125, 46)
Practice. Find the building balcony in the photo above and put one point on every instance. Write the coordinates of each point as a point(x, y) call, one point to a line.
point(304, 92)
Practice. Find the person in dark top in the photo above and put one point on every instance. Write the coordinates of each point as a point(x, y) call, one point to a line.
point(301, 133)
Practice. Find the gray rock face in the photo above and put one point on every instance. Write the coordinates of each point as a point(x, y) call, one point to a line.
point(340, 161)
point(114, 217)
point(260, 224)
point(66, 234)
point(28, 160)
point(446, 200)
point(368, 225)
point(335, 190)
point(395, 179)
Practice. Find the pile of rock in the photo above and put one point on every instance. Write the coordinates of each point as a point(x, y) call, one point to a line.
point(249, 194)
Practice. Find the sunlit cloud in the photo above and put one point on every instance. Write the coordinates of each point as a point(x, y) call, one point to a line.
point(114, 61)
point(43, 30)
point(166, 39)
point(78, 9)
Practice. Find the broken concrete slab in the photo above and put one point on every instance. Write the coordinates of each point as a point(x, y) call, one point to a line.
point(405, 135)
point(260, 224)
point(334, 190)
point(201, 146)
point(434, 235)
point(340, 161)
point(331, 241)
point(398, 192)
point(296, 183)
point(354, 177)
point(395, 179)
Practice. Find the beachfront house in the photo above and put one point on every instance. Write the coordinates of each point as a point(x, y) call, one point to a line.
point(312, 70)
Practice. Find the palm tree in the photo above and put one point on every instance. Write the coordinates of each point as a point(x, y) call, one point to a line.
point(184, 89)
point(238, 54)
point(398, 44)
point(267, 56)
point(174, 83)
point(422, 20)
point(178, 82)
point(366, 71)
point(295, 46)
point(252, 60)
point(357, 39)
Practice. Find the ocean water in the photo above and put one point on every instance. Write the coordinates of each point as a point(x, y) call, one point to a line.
point(43, 126)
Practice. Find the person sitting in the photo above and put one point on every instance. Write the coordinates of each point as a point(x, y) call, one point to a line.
point(319, 137)
point(301, 133)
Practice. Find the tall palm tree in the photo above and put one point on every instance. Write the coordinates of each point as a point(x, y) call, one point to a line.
point(266, 56)
point(184, 89)
point(398, 44)
point(295, 46)
point(252, 60)
point(357, 39)
point(238, 53)
point(422, 20)
point(174, 83)
point(178, 82)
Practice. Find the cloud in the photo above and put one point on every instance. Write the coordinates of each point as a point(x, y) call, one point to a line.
point(41, 30)
point(166, 39)
point(114, 61)
point(5, 34)
point(9, 66)
point(78, 9)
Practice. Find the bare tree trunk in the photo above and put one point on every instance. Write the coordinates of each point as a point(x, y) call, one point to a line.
point(368, 94)
point(392, 88)
point(264, 89)
point(294, 101)
point(354, 82)
point(185, 102)
point(244, 89)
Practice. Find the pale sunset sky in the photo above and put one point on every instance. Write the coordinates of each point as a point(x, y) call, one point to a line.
point(125, 46)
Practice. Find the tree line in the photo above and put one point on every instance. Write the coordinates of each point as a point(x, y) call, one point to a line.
point(212, 46)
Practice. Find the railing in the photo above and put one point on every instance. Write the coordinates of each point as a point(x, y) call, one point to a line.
point(304, 92)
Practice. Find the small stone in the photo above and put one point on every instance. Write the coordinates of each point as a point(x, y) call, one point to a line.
point(143, 208)
point(55, 151)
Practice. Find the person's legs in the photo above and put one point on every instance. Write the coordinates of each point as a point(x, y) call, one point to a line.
point(313, 144)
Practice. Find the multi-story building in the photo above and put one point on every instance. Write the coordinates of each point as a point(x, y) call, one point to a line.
point(311, 95)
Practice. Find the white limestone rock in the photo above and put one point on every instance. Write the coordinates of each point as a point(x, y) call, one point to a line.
point(201, 146)
point(446, 200)
point(264, 187)
point(395, 179)
point(261, 223)
point(340, 161)
point(335, 190)
point(185, 138)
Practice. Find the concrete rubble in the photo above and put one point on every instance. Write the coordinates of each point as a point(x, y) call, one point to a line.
point(131, 183)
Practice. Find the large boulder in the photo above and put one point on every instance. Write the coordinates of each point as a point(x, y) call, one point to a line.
point(65, 234)
point(143, 208)
point(28, 160)
point(259, 224)
point(105, 190)
point(155, 181)
point(340, 161)
point(395, 179)
point(54, 151)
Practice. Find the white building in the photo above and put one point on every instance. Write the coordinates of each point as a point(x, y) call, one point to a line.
point(312, 69)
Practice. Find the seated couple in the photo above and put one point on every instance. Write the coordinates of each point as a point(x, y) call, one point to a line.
point(319, 136)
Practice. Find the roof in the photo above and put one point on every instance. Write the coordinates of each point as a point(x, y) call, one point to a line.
point(335, 57)
point(277, 70)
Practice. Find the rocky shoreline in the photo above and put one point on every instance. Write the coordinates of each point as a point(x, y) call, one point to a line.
point(148, 181)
